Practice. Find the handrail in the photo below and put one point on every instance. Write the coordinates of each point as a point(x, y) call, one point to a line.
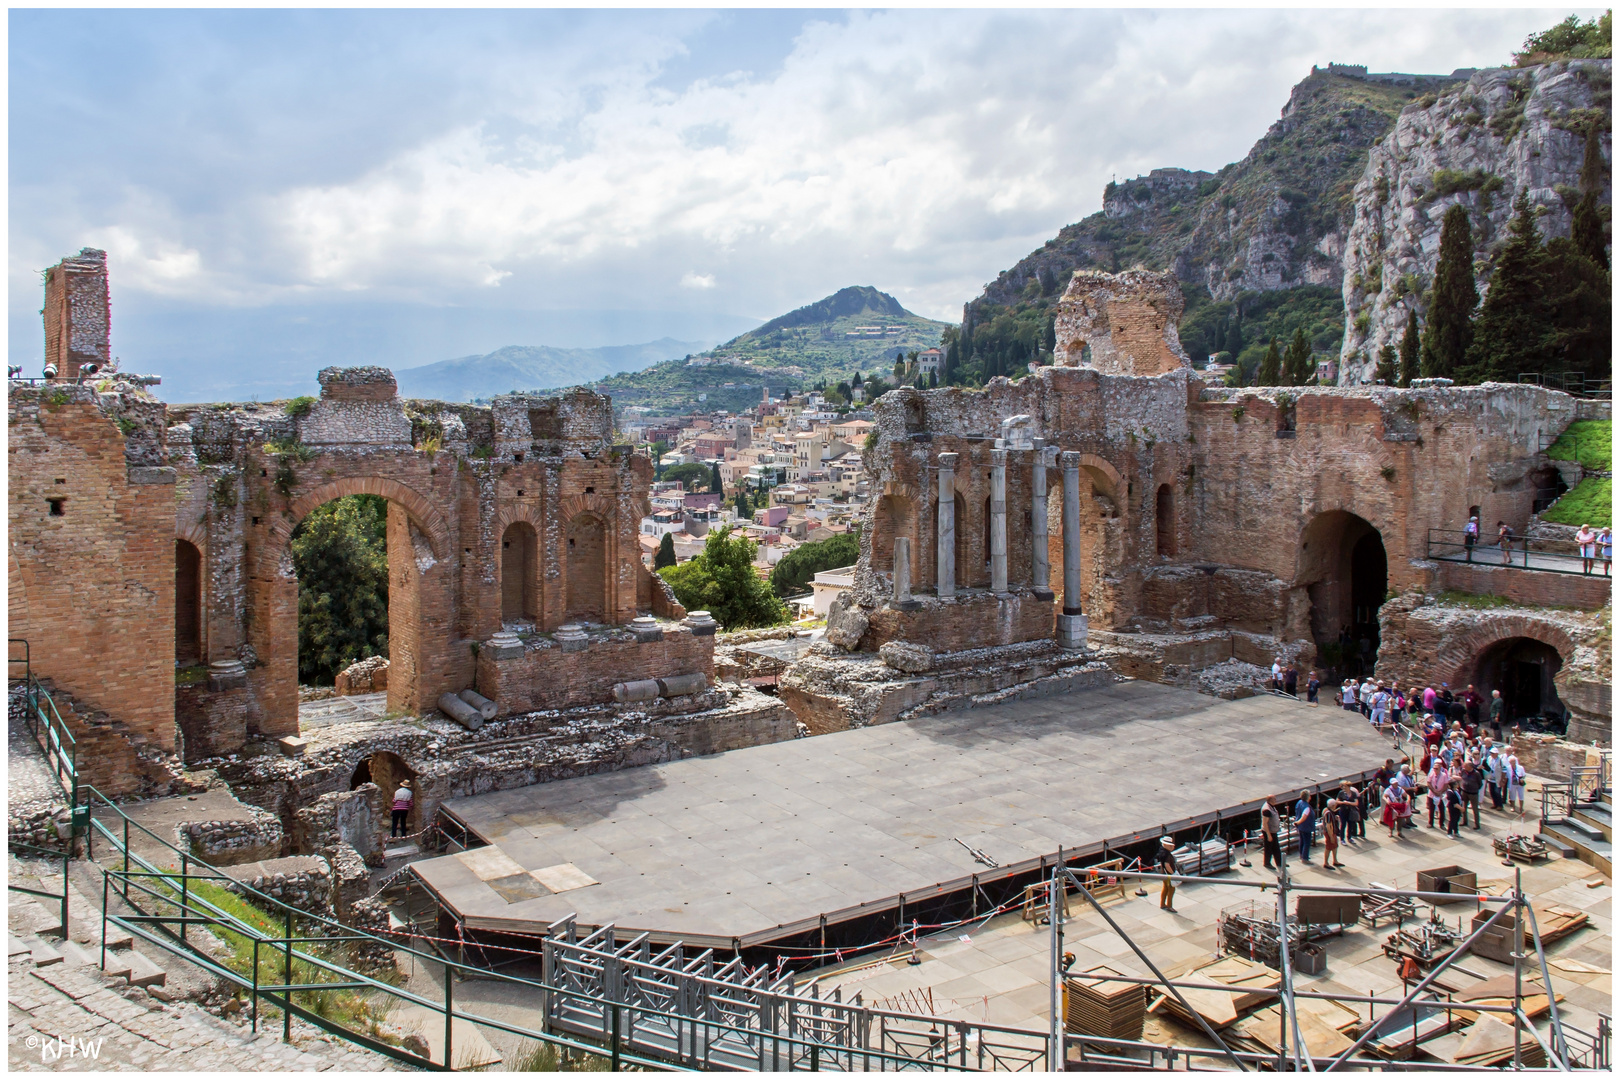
point(1522, 553)
point(18, 847)
point(56, 741)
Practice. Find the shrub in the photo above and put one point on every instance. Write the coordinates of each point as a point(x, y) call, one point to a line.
point(299, 406)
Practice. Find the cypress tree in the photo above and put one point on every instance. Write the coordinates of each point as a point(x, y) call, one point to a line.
point(715, 484)
point(1270, 373)
point(1411, 345)
point(1385, 372)
point(1234, 335)
point(1452, 302)
point(666, 552)
point(933, 380)
point(1512, 321)
point(1298, 360)
point(1587, 227)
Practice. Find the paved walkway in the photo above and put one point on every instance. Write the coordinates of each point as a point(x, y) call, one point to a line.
point(354, 709)
point(1536, 560)
point(28, 779)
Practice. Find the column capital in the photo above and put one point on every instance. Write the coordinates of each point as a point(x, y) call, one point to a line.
point(1071, 459)
point(947, 461)
point(998, 459)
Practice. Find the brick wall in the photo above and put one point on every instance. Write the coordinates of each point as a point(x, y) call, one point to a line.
point(98, 578)
point(547, 677)
point(1538, 589)
point(967, 621)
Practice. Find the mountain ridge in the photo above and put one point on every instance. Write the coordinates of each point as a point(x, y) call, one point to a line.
point(533, 367)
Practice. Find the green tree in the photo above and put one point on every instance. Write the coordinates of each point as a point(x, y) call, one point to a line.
point(721, 580)
point(1572, 39)
point(1270, 373)
point(1507, 338)
point(1578, 303)
point(340, 553)
point(1411, 347)
point(691, 476)
point(666, 552)
point(1297, 362)
point(1452, 302)
point(1385, 372)
point(933, 380)
point(793, 573)
point(1587, 228)
point(716, 485)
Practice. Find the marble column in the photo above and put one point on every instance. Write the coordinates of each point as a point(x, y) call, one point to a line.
point(998, 521)
point(946, 561)
point(1071, 624)
point(1040, 563)
point(902, 599)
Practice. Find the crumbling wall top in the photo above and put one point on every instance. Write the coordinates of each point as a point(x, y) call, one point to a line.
point(358, 384)
point(1121, 324)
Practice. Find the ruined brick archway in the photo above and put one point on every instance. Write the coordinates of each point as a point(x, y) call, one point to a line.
point(423, 514)
point(1344, 569)
point(1459, 655)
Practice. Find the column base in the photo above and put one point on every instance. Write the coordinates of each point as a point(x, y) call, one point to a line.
point(905, 605)
point(1072, 631)
point(1044, 595)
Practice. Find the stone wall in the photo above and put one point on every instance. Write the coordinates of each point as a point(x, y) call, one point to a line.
point(1530, 588)
point(229, 843)
point(303, 882)
point(1121, 324)
point(559, 674)
point(78, 322)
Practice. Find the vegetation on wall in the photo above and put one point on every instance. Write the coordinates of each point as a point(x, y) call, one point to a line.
point(1590, 502)
point(340, 552)
point(1587, 442)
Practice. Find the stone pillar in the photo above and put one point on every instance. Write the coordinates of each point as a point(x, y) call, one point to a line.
point(1040, 564)
point(1071, 624)
point(946, 562)
point(998, 521)
point(902, 600)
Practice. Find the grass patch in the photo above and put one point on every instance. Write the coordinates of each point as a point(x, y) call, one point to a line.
point(357, 1010)
point(1588, 504)
point(192, 675)
point(548, 1057)
point(1478, 602)
point(1588, 442)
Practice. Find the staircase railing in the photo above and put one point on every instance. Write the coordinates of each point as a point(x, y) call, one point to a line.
point(16, 848)
point(45, 723)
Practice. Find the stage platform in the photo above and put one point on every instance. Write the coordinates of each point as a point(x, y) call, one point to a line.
point(751, 846)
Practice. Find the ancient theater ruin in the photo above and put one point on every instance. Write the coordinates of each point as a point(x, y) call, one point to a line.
point(1047, 661)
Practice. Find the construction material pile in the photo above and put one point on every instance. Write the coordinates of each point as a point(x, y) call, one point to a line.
point(1107, 1009)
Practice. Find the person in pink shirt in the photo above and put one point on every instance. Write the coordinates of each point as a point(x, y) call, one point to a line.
point(1439, 778)
point(1429, 698)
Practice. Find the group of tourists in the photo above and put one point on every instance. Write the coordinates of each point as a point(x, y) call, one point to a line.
point(1386, 705)
point(1595, 544)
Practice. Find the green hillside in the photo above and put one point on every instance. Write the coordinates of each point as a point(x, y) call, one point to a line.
point(854, 329)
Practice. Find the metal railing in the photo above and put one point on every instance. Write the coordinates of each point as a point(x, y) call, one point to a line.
point(16, 848)
point(45, 723)
point(1551, 556)
point(1575, 383)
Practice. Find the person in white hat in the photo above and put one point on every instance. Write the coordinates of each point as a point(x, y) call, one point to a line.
point(1167, 866)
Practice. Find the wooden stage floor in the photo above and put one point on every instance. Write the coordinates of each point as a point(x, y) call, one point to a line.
point(748, 846)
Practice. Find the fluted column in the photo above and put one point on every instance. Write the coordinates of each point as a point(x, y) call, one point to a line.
point(946, 560)
point(1072, 623)
point(998, 521)
point(1040, 563)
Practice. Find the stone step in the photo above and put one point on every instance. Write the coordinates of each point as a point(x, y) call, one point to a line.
point(43, 954)
point(28, 916)
point(1594, 851)
point(75, 955)
point(14, 947)
point(403, 851)
point(143, 972)
point(1598, 816)
point(119, 965)
point(84, 923)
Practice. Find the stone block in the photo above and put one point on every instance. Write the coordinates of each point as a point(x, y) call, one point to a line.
point(1072, 631)
point(292, 745)
point(904, 656)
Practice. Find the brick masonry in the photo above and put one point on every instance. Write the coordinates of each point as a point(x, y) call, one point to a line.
point(546, 677)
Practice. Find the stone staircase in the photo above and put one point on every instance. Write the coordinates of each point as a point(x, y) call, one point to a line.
point(1587, 832)
point(68, 1011)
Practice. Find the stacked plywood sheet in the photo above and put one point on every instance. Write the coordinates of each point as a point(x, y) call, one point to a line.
point(1203, 860)
point(1108, 1009)
point(1487, 1043)
point(1222, 1007)
point(1322, 1024)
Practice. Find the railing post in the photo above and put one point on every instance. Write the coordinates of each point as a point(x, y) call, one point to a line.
point(126, 857)
point(286, 981)
point(615, 1036)
point(67, 855)
point(104, 881)
point(449, 1008)
point(254, 1027)
point(185, 894)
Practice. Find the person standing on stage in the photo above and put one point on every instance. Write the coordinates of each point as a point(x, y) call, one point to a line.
point(1271, 832)
point(403, 802)
point(1167, 866)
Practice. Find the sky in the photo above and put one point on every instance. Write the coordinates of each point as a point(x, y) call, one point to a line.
point(282, 190)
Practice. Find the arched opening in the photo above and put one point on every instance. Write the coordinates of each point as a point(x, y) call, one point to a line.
point(188, 647)
point(587, 569)
point(340, 555)
point(1523, 669)
point(961, 540)
point(1343, 567)
point(1164, 516)
point(519, 602)
point(387, 770)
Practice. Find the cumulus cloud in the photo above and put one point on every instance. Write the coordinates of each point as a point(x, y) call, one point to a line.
point(920, 152)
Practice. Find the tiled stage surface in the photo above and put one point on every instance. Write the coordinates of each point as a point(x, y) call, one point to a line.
point(735, 845)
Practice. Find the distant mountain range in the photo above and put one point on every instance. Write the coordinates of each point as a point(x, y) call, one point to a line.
point(534, 367)
point(855, 329)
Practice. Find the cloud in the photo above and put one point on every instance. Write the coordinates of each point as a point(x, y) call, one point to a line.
point(562, 160)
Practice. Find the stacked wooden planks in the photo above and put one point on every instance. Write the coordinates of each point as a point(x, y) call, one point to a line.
point(1111, 1010)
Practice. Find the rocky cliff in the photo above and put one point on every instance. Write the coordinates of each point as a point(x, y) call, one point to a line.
point(1479, 143)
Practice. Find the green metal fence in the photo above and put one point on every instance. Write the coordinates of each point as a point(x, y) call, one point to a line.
point(60, 898)
point(45, 723)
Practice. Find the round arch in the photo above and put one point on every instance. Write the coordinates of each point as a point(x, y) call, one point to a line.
point(1459, 655)
point(1344, 569)
point(423, 513)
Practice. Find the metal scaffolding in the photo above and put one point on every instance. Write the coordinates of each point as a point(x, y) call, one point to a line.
point(1294, 1053)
